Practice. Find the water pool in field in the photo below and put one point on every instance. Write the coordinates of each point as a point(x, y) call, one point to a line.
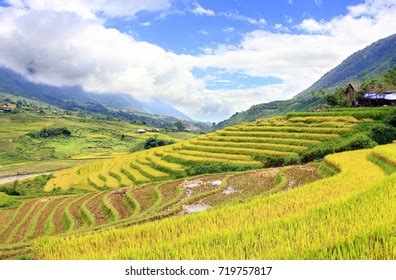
point(194, 208)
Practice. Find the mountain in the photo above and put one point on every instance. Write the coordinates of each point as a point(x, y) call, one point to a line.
point(155, 106)
point(74, 98)
point(371, 61)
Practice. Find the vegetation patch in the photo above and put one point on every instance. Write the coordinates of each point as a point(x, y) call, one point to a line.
point(51, 132)
point(7, 201)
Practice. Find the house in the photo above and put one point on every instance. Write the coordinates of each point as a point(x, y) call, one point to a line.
point(351, 94)
point(141, 131)
point(7, 108)
point(379, 99)
point(152, 130)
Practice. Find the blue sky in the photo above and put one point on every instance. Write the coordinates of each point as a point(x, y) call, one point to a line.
point(181, 31)
point(207, 58)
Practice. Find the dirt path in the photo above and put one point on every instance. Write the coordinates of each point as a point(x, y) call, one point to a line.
point(9, 179)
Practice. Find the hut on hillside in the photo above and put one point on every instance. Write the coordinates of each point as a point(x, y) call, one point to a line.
point(152, 129)
point(351, 94)
point(7, 108)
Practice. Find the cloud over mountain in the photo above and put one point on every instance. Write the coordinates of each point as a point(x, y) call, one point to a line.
point(71, 44)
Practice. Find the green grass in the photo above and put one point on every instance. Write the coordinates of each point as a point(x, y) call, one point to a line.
point(7, 201)
point(377, 113)
point(86, 215)
point(381, 161)
point(91, 138)
point(109, 209)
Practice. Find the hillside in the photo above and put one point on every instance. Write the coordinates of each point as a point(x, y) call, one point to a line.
point(24, 149)
point(22, 221)
point(369, 62)
point(353, 214)
point(122, 106)
point(267, 142)
point(154, 184)
point(373, 60)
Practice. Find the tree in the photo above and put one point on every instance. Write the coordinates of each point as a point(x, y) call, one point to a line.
point(331, 100)
point(390, 77)
point(372, 85)
point(19, 104)
point(337, 98)
point(180, 126)
point(153, 142)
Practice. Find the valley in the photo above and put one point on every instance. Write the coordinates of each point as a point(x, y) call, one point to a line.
point(92, 137)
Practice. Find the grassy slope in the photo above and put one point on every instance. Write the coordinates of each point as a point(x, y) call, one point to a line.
point(91, 139)
point(81, 213)
point(348, 216)
point(266, 142)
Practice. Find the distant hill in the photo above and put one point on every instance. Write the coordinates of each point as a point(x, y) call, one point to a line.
point(74, 98)
point(371, 61)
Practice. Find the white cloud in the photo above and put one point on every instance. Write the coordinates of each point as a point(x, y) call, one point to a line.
point(146, 23)
point(261, 22)
point(288, 19)
point(65, 49)
point(229, 29)
point(199, 10)
point(313, 26)
point(66, 46)
point(372, 8)
point(204, 32)
point(281, 27)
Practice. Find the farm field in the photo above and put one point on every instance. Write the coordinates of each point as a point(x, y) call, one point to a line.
point(269, 142)
point(78, 214)
point(91, 138)
point(251, 181)
point(350, 215)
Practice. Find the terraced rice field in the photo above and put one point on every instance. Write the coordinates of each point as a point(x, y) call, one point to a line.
point(351, 215)
point(78, 214)
point(245, 146)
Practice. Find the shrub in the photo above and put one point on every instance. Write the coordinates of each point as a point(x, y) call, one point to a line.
point(276, 161)
point(51, 132)
point(7, 201)
point(215, 167)
point(153, 142)
point(357, 141)
point(382, 134)
point(392, 120)
point(137, 146)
